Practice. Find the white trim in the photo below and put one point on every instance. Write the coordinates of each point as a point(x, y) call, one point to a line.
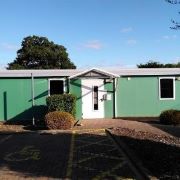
point(57, 79)
point(111, 75)
point(174, 87)
point(106, 72)
point(116, 84)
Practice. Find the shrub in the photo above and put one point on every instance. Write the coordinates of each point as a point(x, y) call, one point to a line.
point(169, 117)
point(62, 102)
point(59, 120)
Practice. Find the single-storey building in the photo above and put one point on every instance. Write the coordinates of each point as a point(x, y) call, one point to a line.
point(100, 93)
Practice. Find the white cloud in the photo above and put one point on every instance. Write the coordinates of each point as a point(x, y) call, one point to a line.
point(166, 37)
point(94, 44)
point(126, 29)
point(131, 42)
point(9, 46)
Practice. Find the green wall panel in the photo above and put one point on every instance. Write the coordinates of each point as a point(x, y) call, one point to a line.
point(40, 91)
point(16, 97)
point(75, 88)
point(108, 104)
point(139, 97)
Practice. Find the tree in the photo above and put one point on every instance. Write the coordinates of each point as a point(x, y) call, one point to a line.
point(176, 24)
point(39, 53)
point(155, 64)
point(150, 64)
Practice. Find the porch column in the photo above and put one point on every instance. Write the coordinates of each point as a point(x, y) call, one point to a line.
point(67, 84)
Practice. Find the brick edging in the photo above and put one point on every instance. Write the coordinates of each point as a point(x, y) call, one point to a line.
point(16, 132)
point(41, 132)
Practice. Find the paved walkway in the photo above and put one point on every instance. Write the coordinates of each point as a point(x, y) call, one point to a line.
point(139, 126)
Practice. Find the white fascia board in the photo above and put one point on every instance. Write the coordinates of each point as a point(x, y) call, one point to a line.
point(112, 75)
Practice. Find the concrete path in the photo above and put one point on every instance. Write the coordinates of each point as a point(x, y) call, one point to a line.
point(139, 126)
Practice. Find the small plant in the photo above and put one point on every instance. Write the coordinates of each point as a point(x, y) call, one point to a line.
point(62, 102)
point(59, 120)
point(169, 117)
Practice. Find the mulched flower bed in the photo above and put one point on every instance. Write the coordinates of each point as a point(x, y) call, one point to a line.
point(159, 154)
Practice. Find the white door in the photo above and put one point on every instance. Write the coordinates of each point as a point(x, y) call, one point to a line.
point(92, 98)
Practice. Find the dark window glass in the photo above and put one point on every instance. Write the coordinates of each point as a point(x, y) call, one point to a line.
point(56, 87)
point(166, 88)
point(95, 97)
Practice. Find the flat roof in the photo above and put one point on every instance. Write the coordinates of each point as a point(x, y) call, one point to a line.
point(73, 72)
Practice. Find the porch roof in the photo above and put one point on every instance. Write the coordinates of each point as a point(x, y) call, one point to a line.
point(94, 73)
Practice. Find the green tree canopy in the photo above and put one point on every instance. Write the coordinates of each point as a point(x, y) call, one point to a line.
point(155, 64)
point(40, 53)
point(176, 23)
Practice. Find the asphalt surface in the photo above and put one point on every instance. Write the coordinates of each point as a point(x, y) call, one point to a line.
point(88, 154)
point(34, 156)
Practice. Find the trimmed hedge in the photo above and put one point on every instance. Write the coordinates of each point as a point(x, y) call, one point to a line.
point(59, 120)
point(62, 102)
point(169, 117)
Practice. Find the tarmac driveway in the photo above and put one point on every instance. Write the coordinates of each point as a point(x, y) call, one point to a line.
point(33, 155)
point(78, 154)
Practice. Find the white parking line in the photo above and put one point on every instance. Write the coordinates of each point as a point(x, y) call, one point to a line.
point(5, 138)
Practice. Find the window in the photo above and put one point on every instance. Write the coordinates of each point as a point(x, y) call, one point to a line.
point(56, 87)
point(167, 88)
point(95, 98)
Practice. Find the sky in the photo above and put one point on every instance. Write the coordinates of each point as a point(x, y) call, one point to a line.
point(96, 33)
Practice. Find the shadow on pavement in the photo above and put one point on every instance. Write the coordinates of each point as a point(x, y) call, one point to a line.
point(170, 129)
point(34, 155)
point(162, 160)
point(52, 156)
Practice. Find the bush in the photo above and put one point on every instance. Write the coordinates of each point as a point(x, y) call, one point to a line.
point(169, 117)
point(62, 102)
point(59, 120)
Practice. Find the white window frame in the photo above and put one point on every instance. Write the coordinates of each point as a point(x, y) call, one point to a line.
point(174, 91)
point(57, 79)
point(95, 110)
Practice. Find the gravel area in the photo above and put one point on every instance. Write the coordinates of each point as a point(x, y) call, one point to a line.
point(167, 139)
point(159, 153)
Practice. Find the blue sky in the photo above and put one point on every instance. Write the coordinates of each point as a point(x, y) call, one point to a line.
point(96, 33)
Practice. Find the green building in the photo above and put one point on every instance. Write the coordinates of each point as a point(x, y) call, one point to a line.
point(100, 93)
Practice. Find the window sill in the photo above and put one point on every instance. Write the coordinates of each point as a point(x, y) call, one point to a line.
point(164, 99)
